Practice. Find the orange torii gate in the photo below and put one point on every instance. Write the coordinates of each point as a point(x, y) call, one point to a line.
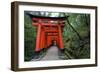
point(49, 31)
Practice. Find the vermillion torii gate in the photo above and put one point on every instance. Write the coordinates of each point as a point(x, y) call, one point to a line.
point(49, 31)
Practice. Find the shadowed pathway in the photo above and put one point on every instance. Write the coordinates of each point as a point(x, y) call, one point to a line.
point(51, 54)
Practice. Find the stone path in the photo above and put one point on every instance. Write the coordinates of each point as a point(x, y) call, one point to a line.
point(51, 54)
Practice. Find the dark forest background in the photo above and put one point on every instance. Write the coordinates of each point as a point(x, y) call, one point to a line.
point(76, 35)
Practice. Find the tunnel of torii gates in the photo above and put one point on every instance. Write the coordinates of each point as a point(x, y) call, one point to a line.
point(49, 31)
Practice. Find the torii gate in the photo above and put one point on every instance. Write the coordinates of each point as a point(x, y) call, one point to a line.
point(49, 31)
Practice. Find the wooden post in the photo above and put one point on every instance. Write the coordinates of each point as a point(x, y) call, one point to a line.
point(37, 49)
point(60, 38)
point(42, 39)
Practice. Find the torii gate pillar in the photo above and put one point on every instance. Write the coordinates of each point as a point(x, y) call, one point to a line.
point(60, 38)
point(38, 38)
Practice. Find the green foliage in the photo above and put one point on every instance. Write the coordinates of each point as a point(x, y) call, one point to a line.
point(29, 38)
point(75, 47)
